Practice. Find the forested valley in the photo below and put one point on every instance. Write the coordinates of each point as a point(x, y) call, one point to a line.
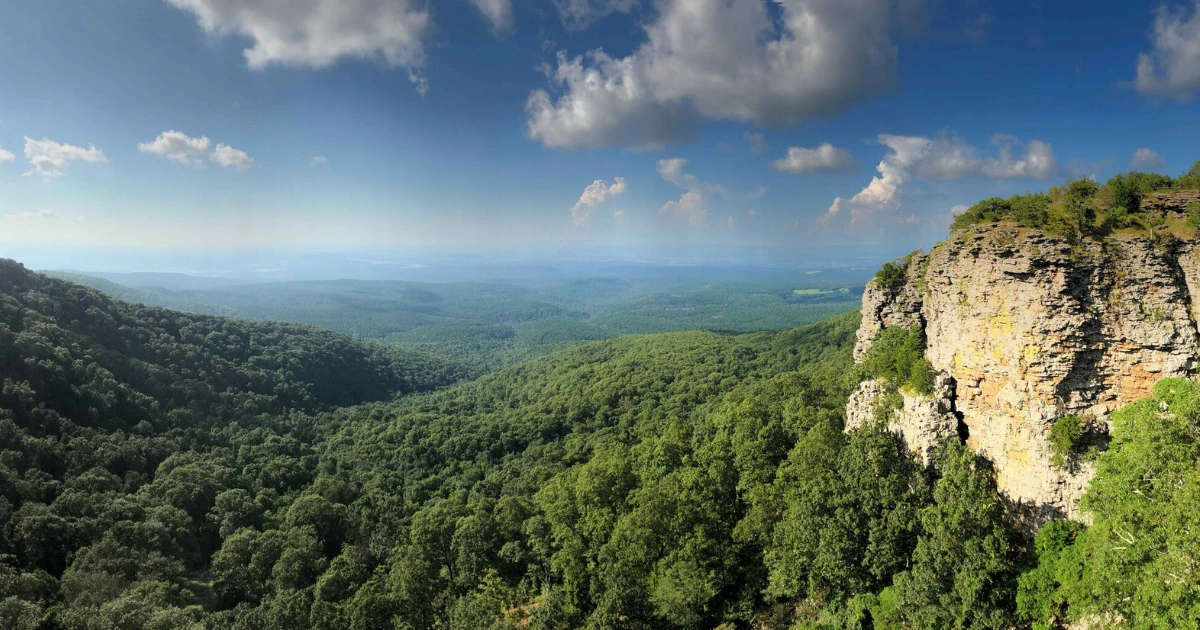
point(487, 325)
point(163, 470)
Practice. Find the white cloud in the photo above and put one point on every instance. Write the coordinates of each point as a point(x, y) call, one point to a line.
point(690, 207)
point(177, 146)
point(580, 14)
point(944, 157)
point(226, 155)
point(498, 13)
point(619, 216)
point(1172, 68)
point(48, 158)
point(595, 194)
point(1145, 159)
point(752, 213)
point(826, 157)
point(6, 156)
point(959, 209)
point(756, 141)
point(318, 33)
point(671, 170)
point(948, 157)
point(1037, 163)
point(719, 59)
point(30, 215)
point(318, 160)
point(904, 152)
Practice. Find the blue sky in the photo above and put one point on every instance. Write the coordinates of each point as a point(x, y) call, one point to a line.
point(494, 126)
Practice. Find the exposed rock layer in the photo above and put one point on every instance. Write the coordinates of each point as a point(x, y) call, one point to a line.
point(1031, 329)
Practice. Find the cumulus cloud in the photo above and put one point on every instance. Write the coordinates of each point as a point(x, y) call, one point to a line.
point(752, 213)
point(690, 207)
point(619, 216)
point(948, 157)
point(498, 13)
point(579, 14)
point(595, 194)
point(48, 158)
point(177, 146)
point(6, 156)
point(1145, 159)
point(1037, 163)
point(226, 155)
point(757, 143)
point(671, 170)
point(1172, 68)
point(719, 59)
point(318, 160)
point(944, 157)
point(826, 157)
point(318, 33)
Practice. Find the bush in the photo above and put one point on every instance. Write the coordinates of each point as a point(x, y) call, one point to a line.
point(1193, 214)
point(986, 211)
point(1030, 210)
point(898, 355)
point(920, 377)
point(892, 276)
point(1127, 189)
point(1191, 179)
point(1066, 435)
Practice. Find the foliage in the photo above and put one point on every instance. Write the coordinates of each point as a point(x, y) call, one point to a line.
point(965, 561)
point(1066, 436)
point(891, 276)
point(1136, 561)
point(485, 326)
point(1193, 214)
point(1191, 179)
point(898, 355)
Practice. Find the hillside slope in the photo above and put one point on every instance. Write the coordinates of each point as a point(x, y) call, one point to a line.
point(72, 355)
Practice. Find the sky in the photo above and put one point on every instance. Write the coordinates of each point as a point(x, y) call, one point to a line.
point(724, 130)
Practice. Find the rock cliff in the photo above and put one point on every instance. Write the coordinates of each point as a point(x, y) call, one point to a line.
point(1026, 329)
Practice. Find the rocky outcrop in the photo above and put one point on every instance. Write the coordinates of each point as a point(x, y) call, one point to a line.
point(923, 421)
point(1177, 201)
point(884, 307)
point(1028, 328)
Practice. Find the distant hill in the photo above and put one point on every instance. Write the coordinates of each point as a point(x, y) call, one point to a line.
point(73, 354)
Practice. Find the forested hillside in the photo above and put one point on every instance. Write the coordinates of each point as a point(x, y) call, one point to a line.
point(494, 324)
point(161, 470)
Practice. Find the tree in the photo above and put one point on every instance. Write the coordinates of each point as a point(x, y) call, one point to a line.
point(963, 566)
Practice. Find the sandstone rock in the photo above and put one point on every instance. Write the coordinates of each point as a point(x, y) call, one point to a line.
point(1029, 329)
point(923, 421)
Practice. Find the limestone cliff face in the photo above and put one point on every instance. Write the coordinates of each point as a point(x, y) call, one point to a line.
point(1028, 329)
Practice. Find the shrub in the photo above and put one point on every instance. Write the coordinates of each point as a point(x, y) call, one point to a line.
point(986, 211)
point(1066, 435)
point(1193, 214)
point(1030, 210)
point(1127, 189)
point(892, 276)
point(1191, 179)
point(898, 355)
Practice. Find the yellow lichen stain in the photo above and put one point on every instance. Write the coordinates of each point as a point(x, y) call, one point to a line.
point(1031, 353)
point(1002, 324)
